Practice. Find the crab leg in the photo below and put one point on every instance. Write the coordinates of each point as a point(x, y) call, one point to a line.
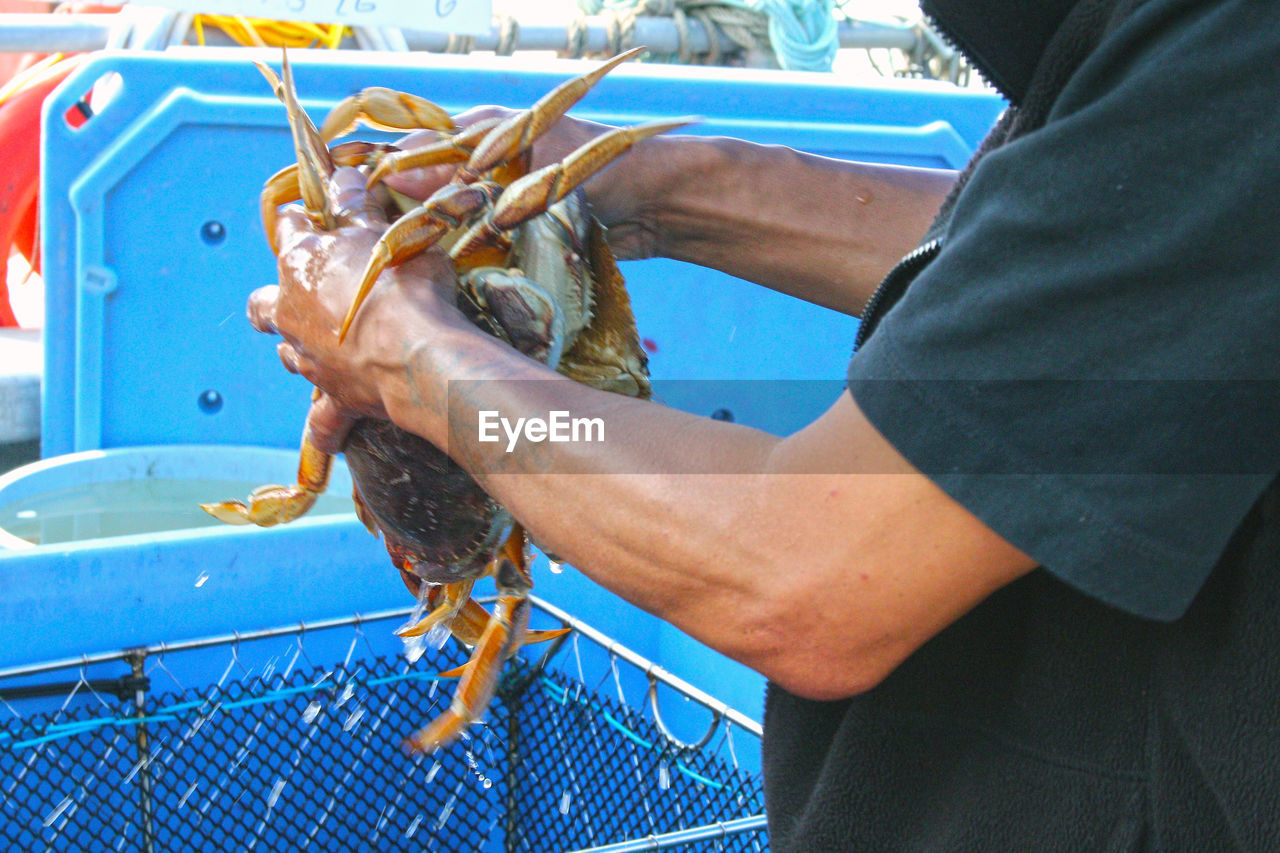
point(272, 505)
point(469, 620)
point(284, 186)
point(315, 164)
point(486, 243)
point(468, 623)
point(384, 109)
point(502, 635)
point(450, 207)
point(534, 193)
point(479, 679)
point(449, 149)
point(516, 135)
point(446, 600)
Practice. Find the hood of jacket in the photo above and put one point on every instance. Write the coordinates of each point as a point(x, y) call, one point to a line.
point(1002, 39)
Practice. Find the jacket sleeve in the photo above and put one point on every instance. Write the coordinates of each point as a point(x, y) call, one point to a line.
point(1091, 363)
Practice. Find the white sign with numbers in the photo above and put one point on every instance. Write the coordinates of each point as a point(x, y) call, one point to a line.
point(471, 17)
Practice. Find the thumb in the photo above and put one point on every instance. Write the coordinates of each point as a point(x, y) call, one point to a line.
point(328, 425)
point(353, 202)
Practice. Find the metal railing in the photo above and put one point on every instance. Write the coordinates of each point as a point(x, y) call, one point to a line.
point(20, 33)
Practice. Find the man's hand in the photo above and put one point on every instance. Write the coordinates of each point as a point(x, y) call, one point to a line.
point(319, 273)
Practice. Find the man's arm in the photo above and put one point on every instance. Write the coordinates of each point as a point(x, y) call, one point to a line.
point(823, 230)
point(821, 560)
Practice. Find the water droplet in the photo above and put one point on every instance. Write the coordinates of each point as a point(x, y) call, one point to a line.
point(431, 774)
point(413, 827)
point(664, 776)
point(556, 568)
point(446, 812)
point(57, 812)
point(201, 578)
point(275, 793)
point(486, 783)
point(435, 685)
point(414, 648)
point(182, 802)
point(348, 691)
point(322, 679)
point(565, 799)
point(310, 713)
point(354, 720)
point(437, 637)
point(138, 765)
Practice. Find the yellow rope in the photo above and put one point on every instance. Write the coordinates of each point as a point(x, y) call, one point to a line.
point(30, 76)
point(264, 32)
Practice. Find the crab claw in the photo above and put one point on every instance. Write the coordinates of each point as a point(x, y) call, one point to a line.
point(515, 135)
point(452, 206)
point(267, 506)
point(384, 109)
point(272, 505)
point(315, 164)
point(534, 193)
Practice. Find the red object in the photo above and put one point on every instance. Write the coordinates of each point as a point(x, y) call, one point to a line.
point(20, 153)
point(649, 344)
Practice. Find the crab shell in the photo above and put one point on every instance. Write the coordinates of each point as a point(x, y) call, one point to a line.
point(563, 302)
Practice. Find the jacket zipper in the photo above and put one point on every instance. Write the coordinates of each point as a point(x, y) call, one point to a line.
point(975, 63)
point(892, 287)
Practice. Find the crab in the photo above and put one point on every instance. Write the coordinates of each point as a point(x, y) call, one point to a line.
point(534, 269)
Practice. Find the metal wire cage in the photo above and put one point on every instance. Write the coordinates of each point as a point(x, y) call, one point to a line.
point(290, 738)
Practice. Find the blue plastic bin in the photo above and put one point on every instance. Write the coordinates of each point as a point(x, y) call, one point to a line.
point(102, 593)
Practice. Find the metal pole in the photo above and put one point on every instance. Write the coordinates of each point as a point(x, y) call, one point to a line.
point(23, 33)
point(512, 825)
point(20, 33)
point(146, 815)
point(661, 36)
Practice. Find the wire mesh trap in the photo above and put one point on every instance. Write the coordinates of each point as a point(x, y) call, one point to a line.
point(290, 739)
